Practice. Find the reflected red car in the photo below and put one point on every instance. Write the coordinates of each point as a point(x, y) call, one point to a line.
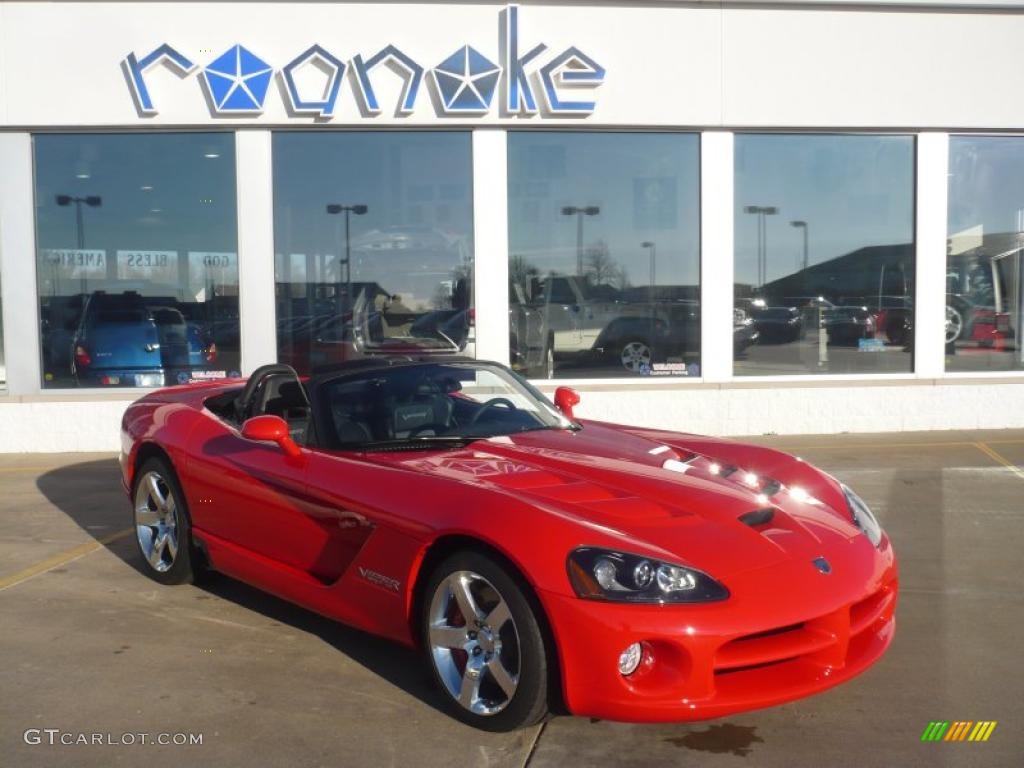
point(538, 561)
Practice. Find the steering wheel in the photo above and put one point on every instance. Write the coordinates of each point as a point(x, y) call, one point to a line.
point(424, 427)
point(492, 403)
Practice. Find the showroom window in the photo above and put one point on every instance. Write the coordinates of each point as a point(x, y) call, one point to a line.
point(137, 265)
point(373, 236)
point(604, 254)
point(3, 365)
point(824, 254)
point(984, 289)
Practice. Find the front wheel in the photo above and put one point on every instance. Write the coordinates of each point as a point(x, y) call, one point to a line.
point(954, 324)
point(162, 528)
point(484, 645)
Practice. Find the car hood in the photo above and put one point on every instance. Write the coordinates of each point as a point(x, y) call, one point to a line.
point(673, 496)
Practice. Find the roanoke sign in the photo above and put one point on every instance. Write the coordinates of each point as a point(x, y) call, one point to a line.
point(526, 82)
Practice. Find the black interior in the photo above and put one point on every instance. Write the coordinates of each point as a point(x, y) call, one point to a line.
point(282, 394)
point(372, 404)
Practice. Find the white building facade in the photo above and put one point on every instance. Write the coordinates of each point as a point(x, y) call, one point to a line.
point(717, 217)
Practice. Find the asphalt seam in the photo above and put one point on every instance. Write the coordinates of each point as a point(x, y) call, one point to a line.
point(61, 558)
point(536, 741)
point(996, 456)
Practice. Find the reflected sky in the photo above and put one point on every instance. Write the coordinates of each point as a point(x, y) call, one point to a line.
point(159, 192)
point(986, 183)
point(417, 186)
point(646, 186)
point(853, 191)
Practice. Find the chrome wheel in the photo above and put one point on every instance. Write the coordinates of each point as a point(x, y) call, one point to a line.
point(954, 324)
point(636, 357)
point(474, 643)
point(156, 521)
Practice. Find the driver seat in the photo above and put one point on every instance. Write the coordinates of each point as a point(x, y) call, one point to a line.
point(281, 395)
point(427, 406)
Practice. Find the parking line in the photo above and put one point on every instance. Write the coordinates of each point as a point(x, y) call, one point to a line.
point(874, 446)
point(988, 451)
point(865, 446)
point(61, 558)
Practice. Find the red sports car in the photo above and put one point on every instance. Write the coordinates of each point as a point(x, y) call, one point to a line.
point(536, 559)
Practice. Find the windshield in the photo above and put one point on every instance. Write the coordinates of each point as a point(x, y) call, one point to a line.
point(432, 403)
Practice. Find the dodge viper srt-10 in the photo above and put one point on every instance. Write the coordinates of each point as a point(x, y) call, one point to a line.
point(537, 561)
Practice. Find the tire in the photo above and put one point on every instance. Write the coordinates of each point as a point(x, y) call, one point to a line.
point(954, 324)
point(896, 331)
point(546, 368)
point(636, 356)
point(510, 687)
point(163, 529)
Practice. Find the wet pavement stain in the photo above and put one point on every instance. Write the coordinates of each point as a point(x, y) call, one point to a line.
point(720, 739)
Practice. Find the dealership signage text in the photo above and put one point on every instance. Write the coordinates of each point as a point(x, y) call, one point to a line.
point(527, 82)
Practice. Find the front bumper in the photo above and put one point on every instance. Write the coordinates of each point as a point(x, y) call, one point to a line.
point(712, 660)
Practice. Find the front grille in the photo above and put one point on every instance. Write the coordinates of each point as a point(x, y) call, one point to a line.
point(771, 647)
point(824, 640)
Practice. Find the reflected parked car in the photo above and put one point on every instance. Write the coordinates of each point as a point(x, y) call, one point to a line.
point(778, 324)
point(129, 340)
point(848, 325)
point(744, 331)
point(637, 341)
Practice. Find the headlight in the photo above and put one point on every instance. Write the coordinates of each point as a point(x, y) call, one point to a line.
point(862, 516)
point(603, 574)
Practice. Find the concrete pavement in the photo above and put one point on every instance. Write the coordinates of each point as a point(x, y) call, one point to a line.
point(91, 645)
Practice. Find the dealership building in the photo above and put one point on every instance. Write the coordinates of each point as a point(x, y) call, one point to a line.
point(719, 217)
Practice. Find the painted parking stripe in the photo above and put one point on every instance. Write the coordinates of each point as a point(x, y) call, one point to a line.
point(61, 558)
point(995, 455)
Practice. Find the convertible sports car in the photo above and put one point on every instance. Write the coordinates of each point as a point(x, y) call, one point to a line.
point(539, 561)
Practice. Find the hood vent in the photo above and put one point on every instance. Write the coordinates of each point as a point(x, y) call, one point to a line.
point(757, 517)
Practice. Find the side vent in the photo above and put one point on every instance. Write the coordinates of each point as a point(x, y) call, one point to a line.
point(757, 517)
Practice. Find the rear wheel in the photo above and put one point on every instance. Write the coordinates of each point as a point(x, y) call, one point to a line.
point(483, 644)
point(162, 528)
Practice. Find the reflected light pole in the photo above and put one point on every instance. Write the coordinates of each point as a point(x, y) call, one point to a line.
point(93, 201)
point(762, 212)
point(359, 209)
point(579, 212)
point(652, 248)
point(802, 225)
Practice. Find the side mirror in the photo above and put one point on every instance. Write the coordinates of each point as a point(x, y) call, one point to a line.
point(271, 429)
point(565, 399)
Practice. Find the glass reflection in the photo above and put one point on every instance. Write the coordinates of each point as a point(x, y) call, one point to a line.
point(137, 258)
point(373, 236)
point(824, 253)
point(3, 366)
point(604, 273)
point(985, 253)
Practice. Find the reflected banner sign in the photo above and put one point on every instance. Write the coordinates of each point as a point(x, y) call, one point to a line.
point(526, 80)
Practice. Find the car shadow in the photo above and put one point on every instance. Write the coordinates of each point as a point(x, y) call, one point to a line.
point(90, 494)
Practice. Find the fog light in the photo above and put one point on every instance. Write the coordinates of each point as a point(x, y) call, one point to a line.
point(629, 659)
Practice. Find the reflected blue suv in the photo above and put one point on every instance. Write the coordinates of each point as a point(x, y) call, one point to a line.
point(130, 340)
